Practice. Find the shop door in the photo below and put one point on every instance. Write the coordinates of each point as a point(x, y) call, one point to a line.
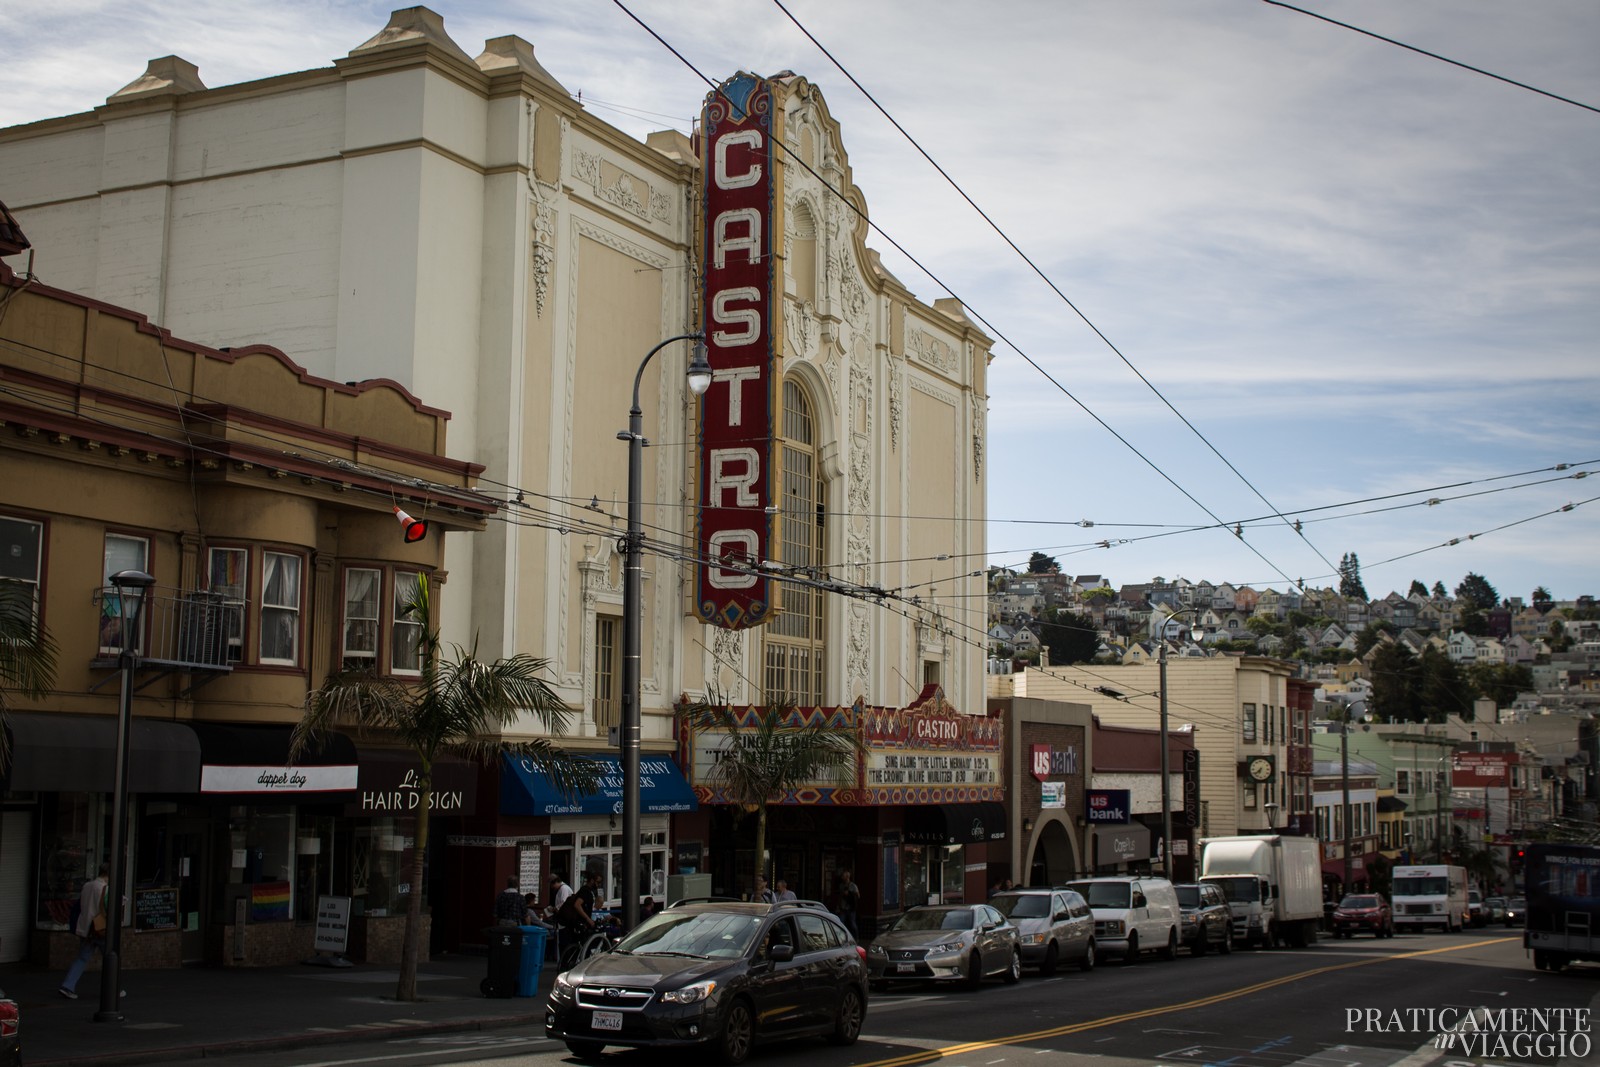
point(190, 842)
point(16, 903)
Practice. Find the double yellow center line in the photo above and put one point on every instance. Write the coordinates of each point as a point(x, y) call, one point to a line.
point(926, 1055)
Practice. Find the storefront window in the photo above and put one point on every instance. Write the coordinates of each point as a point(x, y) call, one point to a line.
point(72, 849)
point(261, 863)
point(380, 877)
point(916, 875)
point(954, 868)
point(602, 851)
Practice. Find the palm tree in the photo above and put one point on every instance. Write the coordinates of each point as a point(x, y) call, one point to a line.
point(27, 655)
point(770, 751)
point(458, 706)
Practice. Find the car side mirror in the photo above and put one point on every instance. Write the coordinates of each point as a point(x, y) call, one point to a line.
point(1138, 900)
point(1062, 916)
point(780, 953)
point(989, 926)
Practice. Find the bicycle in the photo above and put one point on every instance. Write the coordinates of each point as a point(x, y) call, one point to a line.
point(603, 938)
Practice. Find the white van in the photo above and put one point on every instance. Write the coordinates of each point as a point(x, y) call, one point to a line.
point(1132, 915)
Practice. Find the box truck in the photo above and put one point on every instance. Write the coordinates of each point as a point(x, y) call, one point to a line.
point(1563, 883)
point(1273, 884)
point(1431, 894)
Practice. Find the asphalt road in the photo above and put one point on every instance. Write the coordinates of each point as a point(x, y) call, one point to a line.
point(1363, 1003)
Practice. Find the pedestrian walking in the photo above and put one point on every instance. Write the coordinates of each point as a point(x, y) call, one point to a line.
point(560, 894)
point(783, 892)
point(508, 905)
point(762, 894)
point(91, 931)
point(849, 903)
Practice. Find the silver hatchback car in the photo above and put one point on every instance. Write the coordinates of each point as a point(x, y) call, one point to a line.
point(1054, 925)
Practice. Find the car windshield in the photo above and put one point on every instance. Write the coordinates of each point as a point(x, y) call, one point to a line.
point(1104, 894)
point(1238, 890)
point(1357, 903)
point(935, 919)
point(1022, 906)
point(1188, 896)
point(1421, 887)
point(711, 934)
point(1517, 903)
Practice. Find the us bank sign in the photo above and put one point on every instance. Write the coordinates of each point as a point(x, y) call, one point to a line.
point(736, 476)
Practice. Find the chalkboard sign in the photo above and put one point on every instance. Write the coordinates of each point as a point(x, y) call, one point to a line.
point(156, 909)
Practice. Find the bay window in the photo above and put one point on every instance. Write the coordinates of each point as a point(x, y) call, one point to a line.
point(280, 608)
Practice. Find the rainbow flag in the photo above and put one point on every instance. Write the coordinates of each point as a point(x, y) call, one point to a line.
point(269, 902)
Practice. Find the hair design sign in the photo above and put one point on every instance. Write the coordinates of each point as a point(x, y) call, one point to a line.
point(736, 414)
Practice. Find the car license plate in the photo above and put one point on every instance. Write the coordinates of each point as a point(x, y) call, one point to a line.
point(606, 1020)
point(906, 968)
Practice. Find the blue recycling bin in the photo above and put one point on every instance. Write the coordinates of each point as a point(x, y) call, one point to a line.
point(531, 960)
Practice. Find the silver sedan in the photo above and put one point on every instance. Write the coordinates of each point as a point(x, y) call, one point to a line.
point(946, 942)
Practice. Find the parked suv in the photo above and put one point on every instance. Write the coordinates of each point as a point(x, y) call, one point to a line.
point(1052, 925)
point(721, 975)
point(1207, 918)
point(1132, 915)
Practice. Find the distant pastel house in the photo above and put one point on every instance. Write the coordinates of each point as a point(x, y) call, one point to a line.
point(1463, 648)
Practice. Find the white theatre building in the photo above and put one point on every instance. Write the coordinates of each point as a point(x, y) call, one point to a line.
point(464, 227)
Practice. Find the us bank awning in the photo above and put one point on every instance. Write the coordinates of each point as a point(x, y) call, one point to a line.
point(662, 788)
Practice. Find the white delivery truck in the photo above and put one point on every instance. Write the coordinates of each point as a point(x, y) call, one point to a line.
point(1273, 884)
point(1433, 894)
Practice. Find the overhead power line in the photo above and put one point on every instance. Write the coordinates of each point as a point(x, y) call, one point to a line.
point(1434, 55)
point(942, 284)
point(1054, 288)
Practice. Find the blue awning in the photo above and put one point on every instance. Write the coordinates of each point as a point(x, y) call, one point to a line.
point(662, 788)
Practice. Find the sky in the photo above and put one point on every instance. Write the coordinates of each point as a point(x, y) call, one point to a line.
point(1289, 271)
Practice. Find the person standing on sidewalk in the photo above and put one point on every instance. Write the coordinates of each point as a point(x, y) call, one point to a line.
point(508, 905)
point(91, 931)
point(849, 904)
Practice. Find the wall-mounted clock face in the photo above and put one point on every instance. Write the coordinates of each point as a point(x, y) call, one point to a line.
point(1260, 769)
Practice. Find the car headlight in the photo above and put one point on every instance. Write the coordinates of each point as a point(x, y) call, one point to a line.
point(1033, 939)
point(1190, 920)
point(875, 950)
point(562, 987)
point(949, 946)
point(1114, 927)
point(689, 994)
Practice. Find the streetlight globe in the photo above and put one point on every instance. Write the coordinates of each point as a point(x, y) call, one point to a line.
point(699, 372)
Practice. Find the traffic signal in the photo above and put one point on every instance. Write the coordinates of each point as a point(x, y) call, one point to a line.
point(413, 530)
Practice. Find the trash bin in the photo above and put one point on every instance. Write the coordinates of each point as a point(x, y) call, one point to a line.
point(531, 960)
point(505, 951)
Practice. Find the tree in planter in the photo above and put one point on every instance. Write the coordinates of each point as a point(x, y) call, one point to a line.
point(457, 706)
point(27, 655)
point(771, 751)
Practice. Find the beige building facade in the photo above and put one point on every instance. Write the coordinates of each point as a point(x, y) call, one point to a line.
point(459, 225)
point(262, 501)
point(1238, 709)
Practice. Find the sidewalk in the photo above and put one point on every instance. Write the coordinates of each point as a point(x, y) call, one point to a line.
point(208, 1012)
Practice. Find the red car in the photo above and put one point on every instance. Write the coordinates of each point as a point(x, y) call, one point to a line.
point(1367, 913)
point(10, 1033)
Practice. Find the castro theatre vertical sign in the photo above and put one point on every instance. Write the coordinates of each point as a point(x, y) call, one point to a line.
point(737, 480)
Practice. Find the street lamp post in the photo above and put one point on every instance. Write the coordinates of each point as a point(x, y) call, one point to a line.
point(132, 587)
point(699, 380)
point(1344, 761)
point(1166, 772)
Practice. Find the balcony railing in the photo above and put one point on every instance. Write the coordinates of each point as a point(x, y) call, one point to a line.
point(180, 630)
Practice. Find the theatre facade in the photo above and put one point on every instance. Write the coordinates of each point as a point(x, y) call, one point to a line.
point(917, 816)
point(453, 224)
